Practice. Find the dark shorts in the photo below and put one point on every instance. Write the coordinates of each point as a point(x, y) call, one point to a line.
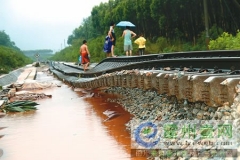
point(141, 51)
point(114, 42)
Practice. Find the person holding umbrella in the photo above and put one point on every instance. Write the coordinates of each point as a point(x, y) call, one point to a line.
point(128, 35)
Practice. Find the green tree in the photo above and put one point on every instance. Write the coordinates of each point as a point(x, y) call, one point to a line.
point(11, 59)
point(168, 25)
point(226, 42)
point(6, 41)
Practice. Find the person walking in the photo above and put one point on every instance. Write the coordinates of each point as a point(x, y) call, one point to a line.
point(141, 44)
point(113, 37)
point(128, 35)
point(85, 55)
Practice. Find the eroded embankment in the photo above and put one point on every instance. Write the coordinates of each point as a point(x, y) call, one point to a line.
point(180, 95)
point(212, 89)
point(149, 106)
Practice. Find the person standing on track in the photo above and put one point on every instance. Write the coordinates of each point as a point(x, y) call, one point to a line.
point(85, 55)
point(128, 35)
point(107, 47)
point(113, 37)
point(141, 44)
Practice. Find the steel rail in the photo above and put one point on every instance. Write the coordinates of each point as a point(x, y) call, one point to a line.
point(230, 65)
point(174, 55)
point(211, 77)
point(216, 60)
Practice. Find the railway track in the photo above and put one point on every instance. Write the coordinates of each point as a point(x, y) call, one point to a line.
point(208, 76)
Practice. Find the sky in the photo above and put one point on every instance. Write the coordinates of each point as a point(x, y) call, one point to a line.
point(43, 24)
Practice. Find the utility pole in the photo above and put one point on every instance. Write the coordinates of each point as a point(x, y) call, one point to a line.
point(87, 29)
point(206, 23)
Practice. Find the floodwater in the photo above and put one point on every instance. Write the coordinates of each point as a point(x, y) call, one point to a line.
point(68, 126)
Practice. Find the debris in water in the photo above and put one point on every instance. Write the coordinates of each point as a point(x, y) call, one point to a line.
point(110, 114)
point(26, 95)
point(90, 95)
point(33, 84)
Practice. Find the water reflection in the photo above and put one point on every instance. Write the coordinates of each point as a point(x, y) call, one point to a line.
point(66, 126)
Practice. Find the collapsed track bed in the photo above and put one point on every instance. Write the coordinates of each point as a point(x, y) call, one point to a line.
point(210, 76)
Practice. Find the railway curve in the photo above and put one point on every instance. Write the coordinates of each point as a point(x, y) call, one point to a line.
point(208, 76)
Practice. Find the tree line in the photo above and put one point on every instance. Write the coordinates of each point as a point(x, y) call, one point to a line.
point(5, 40)
point(172, 19)
point(11, 57)
point(168, 25)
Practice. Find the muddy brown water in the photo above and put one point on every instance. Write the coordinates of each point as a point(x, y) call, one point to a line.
point(68, 126)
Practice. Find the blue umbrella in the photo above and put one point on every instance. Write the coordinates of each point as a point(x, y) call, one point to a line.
point(125, 23)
